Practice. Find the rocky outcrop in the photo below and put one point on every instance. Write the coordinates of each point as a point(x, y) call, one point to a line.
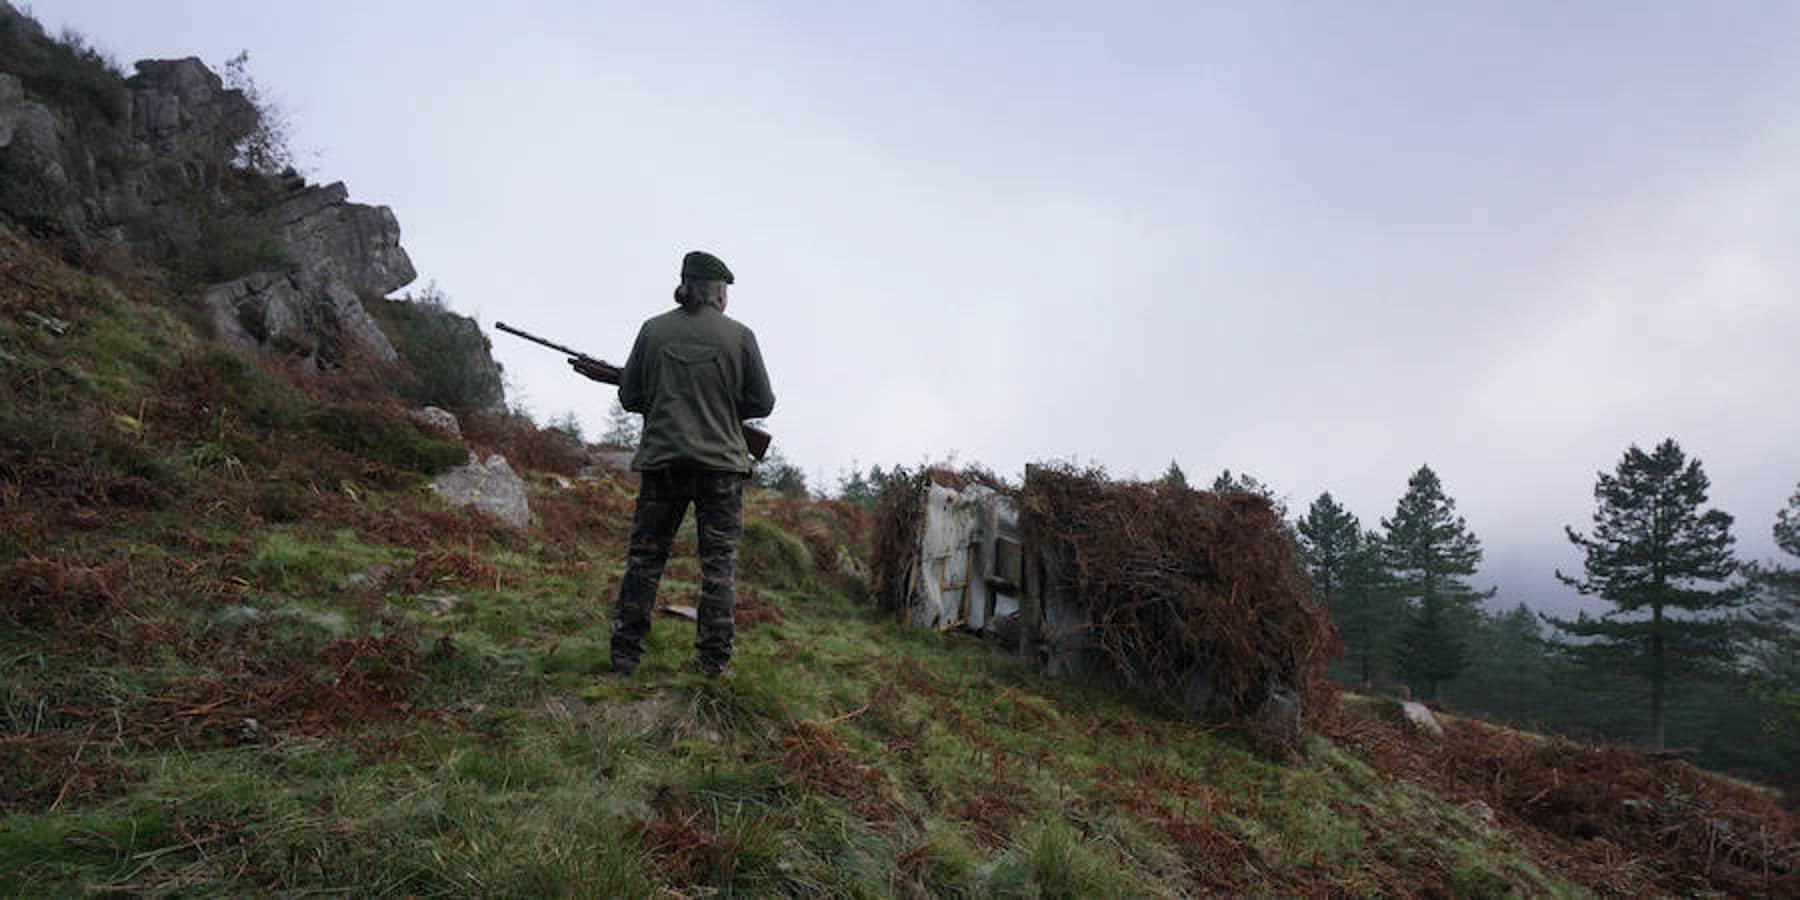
point(296, 314)
point(343, 243)
point(21, 117)
point(181, 110)
point(291, 263)
point(340, 253)
point(103, 177)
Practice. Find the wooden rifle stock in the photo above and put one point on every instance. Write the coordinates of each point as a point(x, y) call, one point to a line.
point(606, 373)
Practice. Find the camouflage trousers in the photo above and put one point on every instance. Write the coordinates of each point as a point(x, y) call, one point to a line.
point(662, 502)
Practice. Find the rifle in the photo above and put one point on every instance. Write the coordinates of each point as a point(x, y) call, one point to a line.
point(606, 373)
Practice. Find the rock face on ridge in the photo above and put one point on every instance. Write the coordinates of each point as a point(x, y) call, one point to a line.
point(181, 110)
point(149, 162)
point(342, 251)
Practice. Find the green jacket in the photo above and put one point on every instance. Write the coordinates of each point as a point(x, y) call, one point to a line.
point(695, 376)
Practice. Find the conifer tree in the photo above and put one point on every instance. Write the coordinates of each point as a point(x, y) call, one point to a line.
point(1348, 574)
point(1510, 674)
point(853, 487)
point(623, 429)
point(1248, 483)
point(1329, 537)
point(1430, 554)
point(1774, 645)
point(1652, 554)
point(1173, 476)
point(1375, 612)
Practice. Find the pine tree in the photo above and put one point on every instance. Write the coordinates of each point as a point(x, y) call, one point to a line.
point(1510, 674)
point(1347, 571)
point(1329, 537)
point(1250, 484)
point(776, 473)
point(569, 427)
point(853, 487)
point(1173, 476)
point(1375, 612)
point(1774, 646)
point(622, 428)
point(1651, 553)
point(1430, 554)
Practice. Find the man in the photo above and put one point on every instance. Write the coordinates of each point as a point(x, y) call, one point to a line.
point(695, 375)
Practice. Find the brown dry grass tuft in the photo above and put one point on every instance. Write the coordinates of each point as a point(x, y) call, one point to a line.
point(251, 688)
point(596, 508)
point(42, 770)
point(813, 755)
point(1608, 816)
point(442, 568)
point(687, 848)
point(49, 594)
point(898, 514)
point(993, 817)
point(525, 445)
point(751, 607)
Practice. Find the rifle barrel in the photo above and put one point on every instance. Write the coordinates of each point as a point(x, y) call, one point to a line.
point(538, 340)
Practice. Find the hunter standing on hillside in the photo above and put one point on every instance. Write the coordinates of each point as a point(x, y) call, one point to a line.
point(695, 375)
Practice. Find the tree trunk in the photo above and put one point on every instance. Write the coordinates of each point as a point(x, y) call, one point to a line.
point(1657, 676)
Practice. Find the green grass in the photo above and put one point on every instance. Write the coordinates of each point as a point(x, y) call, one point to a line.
point(849, 755)
point(289, 564)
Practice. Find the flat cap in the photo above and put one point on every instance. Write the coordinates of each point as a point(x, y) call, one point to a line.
point(703, 266)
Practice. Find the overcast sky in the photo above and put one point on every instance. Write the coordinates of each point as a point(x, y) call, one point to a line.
point(1320, 243)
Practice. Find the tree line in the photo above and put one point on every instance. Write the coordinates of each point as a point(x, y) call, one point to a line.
point(1696, 648)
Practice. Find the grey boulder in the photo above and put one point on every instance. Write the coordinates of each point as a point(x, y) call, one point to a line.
point(489, 486)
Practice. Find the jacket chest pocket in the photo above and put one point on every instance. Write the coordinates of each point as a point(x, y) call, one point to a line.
point(692, 368)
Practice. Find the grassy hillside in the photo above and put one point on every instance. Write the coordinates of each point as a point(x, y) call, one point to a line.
point(244, 651)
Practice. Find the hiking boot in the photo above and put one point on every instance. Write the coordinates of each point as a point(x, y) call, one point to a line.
point(622, 669)
point(722, 670)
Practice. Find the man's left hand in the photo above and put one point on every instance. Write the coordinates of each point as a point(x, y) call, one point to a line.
point(604, 373)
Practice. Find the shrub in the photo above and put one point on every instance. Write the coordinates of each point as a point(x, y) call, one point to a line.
point(450, 361)
point(569, 427)
point(526, 446)
point(279, 501)
point(218, 233)
point(775, 556)
point(232, 246)
point(267, 148)
point(68, 73)
point(776, 473)
point(25, 197)
point(386, 437)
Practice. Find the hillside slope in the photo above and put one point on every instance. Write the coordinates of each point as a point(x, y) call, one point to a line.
point(245, 652)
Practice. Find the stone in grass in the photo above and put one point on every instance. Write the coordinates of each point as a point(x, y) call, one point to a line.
point(488, 486)
point(1420, 718)
point(439, 418)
